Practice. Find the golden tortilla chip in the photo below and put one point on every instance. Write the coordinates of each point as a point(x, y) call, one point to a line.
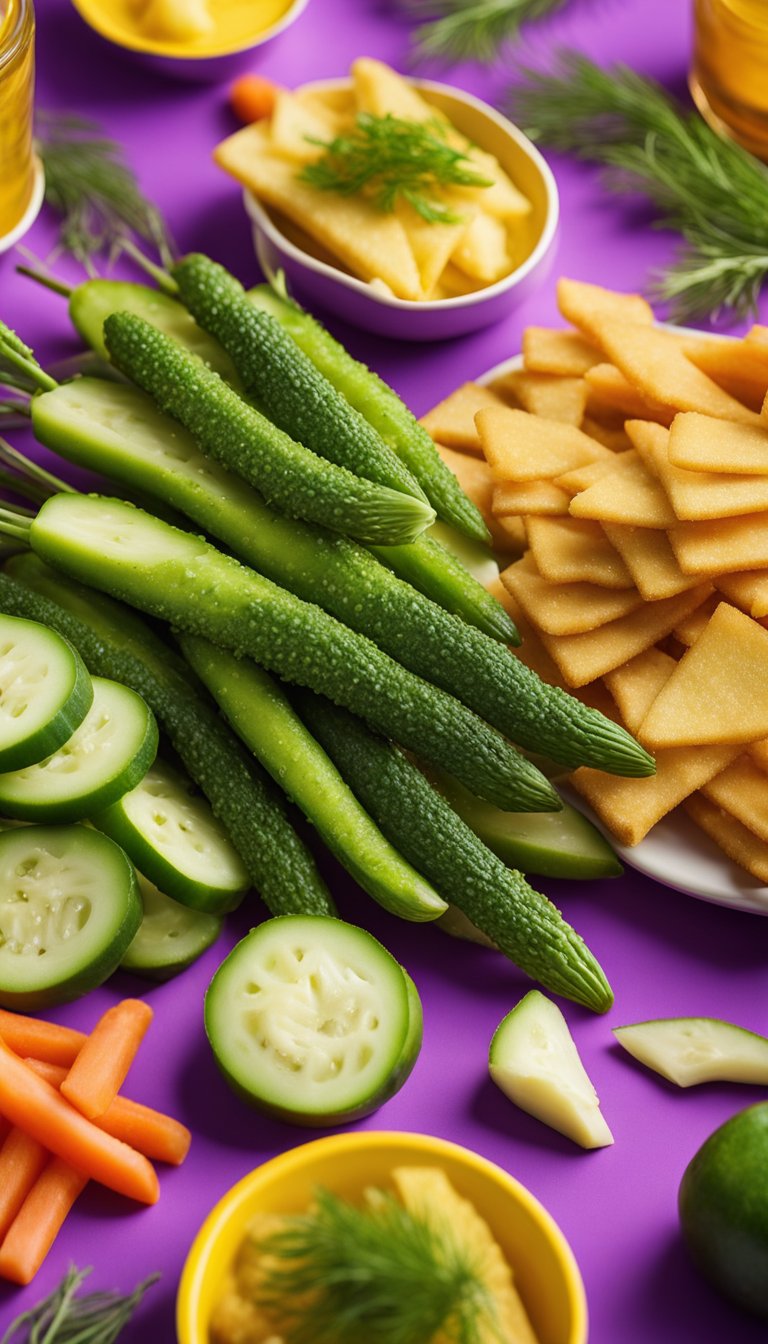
point(628, 495)
point(700, 495)
point(580, 478)
point(513, 533)
point(452, 421)
point(611, 436)
point(630, 808)
point(565, 353)
point(718, 692)
point(689, 629)
point(635, 685)
point(474, 477)
point(565, 608)
point(747, 590)
point(587, 306)
point(537, 499)
point(740, 844)
point(703, 443)
point(654, 362)
point(295, 127)
point(739, 367)
point(569, 550)
point(482, 250)
point(371, 243)
point(381, 91)
point(758, 752)
point(523, 447)
point(722, 545)
point(649, 439)
point(583, 658)
point(742, 792)
point(607, 386)
point(648, 556)
point(432, 245)
point(545, 395)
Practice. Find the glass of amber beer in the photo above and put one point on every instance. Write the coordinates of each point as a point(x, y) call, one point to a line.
point(729, 75)
point(21, 181)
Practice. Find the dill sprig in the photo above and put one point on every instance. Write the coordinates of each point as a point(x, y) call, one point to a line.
point(388, 158)
point(708, 189)
point(65, 1318)
point(88, 183)
point(342, 1275)
point(471, 30)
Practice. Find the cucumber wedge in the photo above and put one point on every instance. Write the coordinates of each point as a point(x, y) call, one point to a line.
point(105, 757)
point(172, 836)
point(477, 558)
point(534, 1060)
point(69, 908)
point(45, 692)
point(170, 936)
point(313, 1021)
point(554, 844)
point(690, 1050)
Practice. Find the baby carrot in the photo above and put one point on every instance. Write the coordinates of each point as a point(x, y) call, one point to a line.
point(21, 1161)
point(157, 1136)
point(37, 1108)
point(42, 1040)
point(97, 1074)
point(35, 1227)
point(252, 98)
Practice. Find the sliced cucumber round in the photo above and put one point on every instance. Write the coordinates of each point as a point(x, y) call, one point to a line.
point(313, 1020)
point(105, 757)
point(45, 692)
point(69, 908)
point(170, 937)
point(172, 836)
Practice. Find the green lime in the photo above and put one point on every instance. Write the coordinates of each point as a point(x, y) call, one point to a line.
point(723, 1206)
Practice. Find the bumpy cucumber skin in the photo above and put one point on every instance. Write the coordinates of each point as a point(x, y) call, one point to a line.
point(50, 736)
point(283, 380)
point(404, 1066)
point(261, 714)
point(381, 407)
point(93, 301)
point(115, 642)
point(521, 922)
point(295, 480)
point(206, 593)
point(102, 967)
point(80, 808)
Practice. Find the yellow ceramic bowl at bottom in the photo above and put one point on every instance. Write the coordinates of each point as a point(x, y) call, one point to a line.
point(546, 1272)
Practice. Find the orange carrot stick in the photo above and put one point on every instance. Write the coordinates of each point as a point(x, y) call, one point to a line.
point(21, 1161)
point(44, 1040)
point(99, 1070)
point(35, 1227)
point(157, 1136)
point(37, 1108)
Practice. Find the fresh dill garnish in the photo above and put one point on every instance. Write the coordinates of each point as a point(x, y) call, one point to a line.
point(471, 30)
point(387, 158)
point(65, 1318)
point(380, 1274)
point(708, 189)
point(89, 184)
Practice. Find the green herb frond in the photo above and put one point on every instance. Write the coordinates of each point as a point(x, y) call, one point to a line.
point(65, 1318)
point(708, 189)
point(471, 30)
point(88, 183)
point(342, 1275)
point(387, 158)
point(18, 367)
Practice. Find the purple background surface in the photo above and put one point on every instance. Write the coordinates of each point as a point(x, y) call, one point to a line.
point(665, 953)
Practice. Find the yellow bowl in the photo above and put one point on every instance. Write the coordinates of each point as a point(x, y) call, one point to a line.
point(211, 58)
point(546, 1272)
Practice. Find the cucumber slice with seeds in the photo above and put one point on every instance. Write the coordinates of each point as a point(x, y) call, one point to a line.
point(105, 757)
point(45, 692)
point(172, 836)
point(69, 908)
point(312, 1020)
point(171, 936)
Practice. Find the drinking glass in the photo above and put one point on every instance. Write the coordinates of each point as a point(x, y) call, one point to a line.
point(729, 75)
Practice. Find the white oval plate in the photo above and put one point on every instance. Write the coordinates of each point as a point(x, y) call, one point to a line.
point(675, 853)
